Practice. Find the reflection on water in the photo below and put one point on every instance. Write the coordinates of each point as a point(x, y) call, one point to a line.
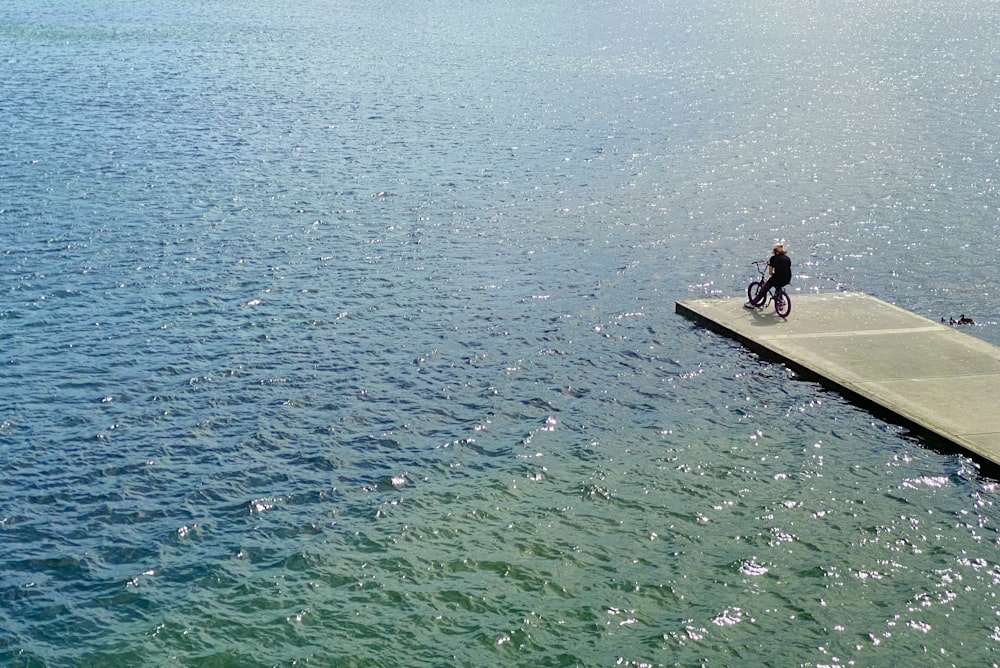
point(344, 334)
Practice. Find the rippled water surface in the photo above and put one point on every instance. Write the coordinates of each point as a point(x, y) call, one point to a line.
point(342, 333)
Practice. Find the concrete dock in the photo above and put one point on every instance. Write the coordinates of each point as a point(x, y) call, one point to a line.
point(927, 375)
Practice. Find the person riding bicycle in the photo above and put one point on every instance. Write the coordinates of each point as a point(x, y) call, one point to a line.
point(779, 268)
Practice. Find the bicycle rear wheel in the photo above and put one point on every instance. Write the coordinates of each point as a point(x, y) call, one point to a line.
point(756, 294)
point(782, 303)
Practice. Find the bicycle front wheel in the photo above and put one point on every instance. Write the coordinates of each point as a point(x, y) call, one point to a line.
point(756, 294)
point(782, 303)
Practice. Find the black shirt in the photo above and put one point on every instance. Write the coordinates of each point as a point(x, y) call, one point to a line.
point(782, 269)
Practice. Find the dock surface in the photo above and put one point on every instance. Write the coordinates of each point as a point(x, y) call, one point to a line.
point(928, 374)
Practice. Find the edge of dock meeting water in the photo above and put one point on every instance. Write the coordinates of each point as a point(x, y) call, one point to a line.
point(929, 376)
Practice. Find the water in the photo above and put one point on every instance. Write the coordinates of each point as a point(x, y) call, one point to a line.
point(343, 333)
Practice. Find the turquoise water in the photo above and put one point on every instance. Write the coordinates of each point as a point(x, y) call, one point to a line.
point(343, 334)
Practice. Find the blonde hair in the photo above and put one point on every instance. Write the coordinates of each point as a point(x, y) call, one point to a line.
point(779, 249)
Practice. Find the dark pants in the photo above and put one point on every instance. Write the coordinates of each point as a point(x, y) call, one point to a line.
point(772, 283)
point(768, 284)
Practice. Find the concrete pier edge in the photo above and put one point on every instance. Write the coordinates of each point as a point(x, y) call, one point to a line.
point(901, 367)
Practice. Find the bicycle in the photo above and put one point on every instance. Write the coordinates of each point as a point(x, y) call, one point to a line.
point(759, 299)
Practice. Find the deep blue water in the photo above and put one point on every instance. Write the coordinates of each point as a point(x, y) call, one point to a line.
point(343, 334)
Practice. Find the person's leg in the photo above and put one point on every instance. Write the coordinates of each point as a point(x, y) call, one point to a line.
point(762, 295)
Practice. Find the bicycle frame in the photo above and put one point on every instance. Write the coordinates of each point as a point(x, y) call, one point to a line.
point(782, 302)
